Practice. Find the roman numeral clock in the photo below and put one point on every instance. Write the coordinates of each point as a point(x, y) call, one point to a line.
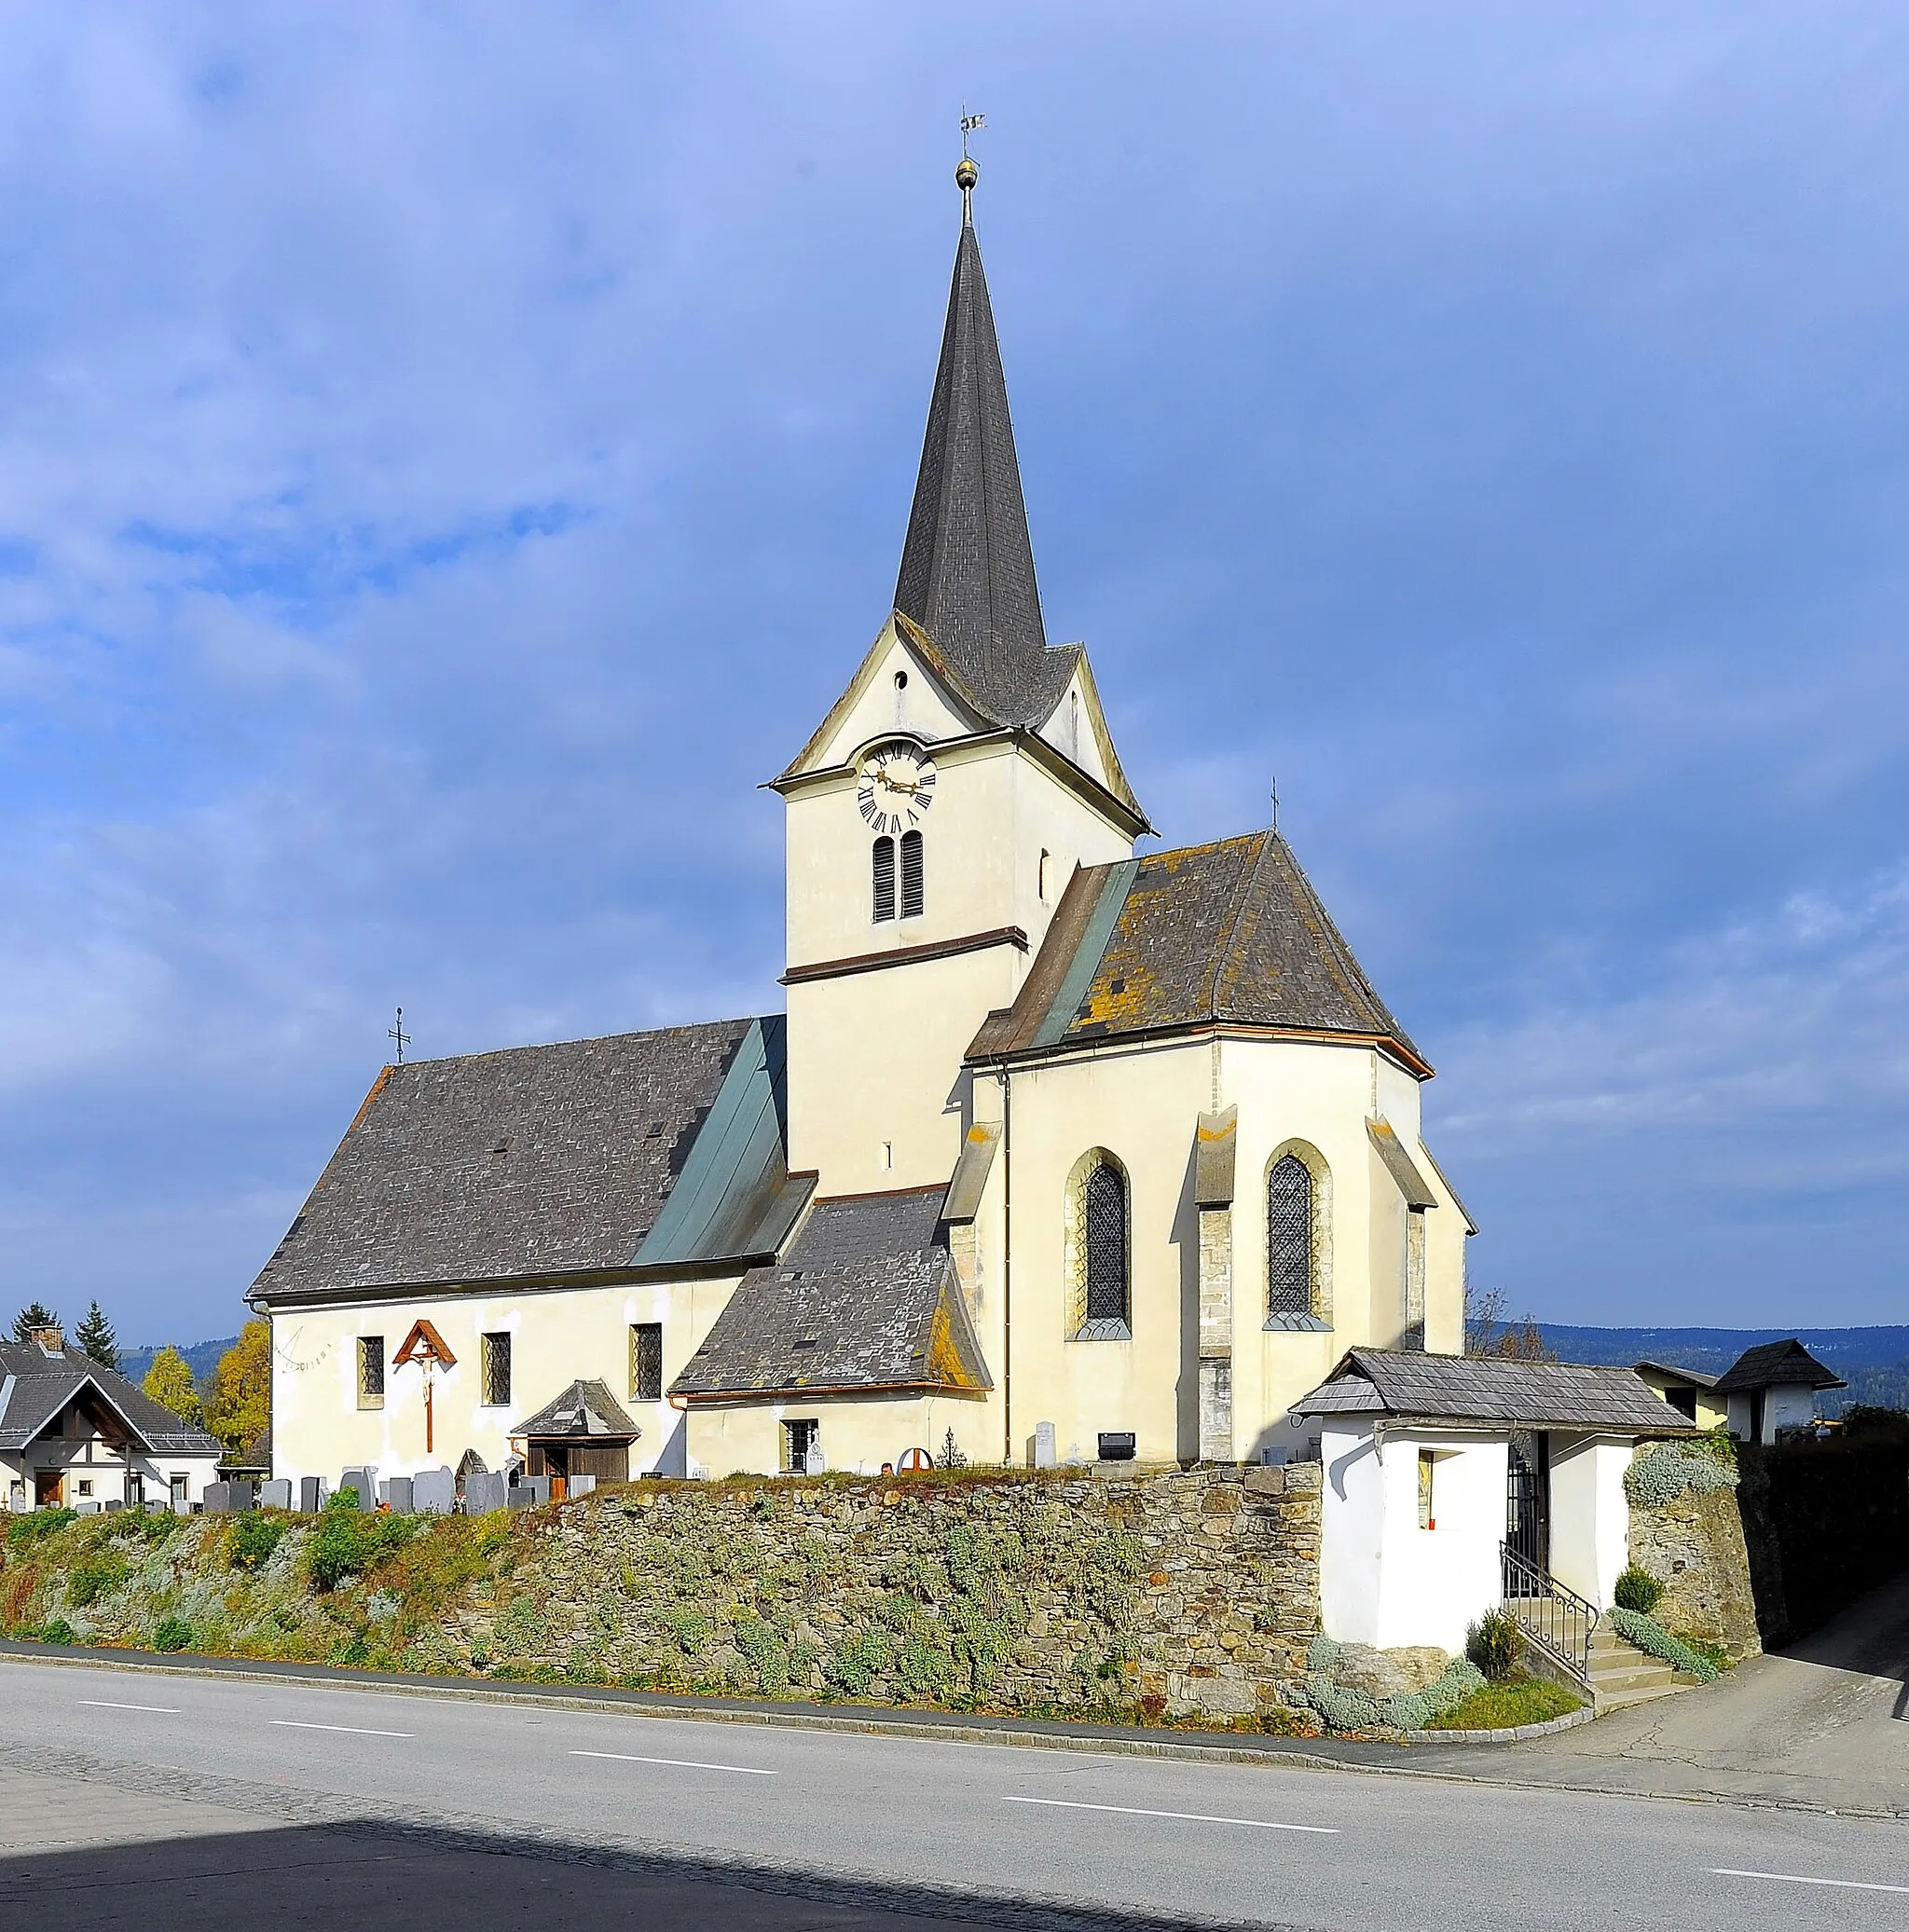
point(897, 786)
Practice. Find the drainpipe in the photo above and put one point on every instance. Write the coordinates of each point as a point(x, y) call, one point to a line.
point(1007, 1265)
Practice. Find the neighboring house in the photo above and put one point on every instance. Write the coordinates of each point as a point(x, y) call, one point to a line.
point(1772, 1388)
point(75, 1434)
point(1688, 1391)
point(1444, 1474)
point(1051, 1134)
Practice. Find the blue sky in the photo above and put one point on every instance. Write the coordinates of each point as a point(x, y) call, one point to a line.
point(454, 452)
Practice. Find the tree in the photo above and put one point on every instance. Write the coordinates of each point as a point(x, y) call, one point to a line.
point(37, 1314)
point(95, 1336)
point(239, 1393)
point(168, 1382)
point(1489, 1334)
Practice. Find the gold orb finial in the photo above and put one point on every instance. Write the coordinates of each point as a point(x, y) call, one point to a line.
point(966, 175)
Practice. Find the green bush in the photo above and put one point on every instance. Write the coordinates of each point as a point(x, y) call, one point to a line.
point(1638, 1590)
point(1493, 1644)
point(1652, 1639)
point(172, 1635)
point(255, 1536)
point(99, 1575)
point(57, 1631)
point(36, 1525)
point(348, 1541)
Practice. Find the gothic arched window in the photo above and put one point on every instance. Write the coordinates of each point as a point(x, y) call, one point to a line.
point(1289, 1237)
point(885, 878)
point(913, 887)
point(1097, 1251)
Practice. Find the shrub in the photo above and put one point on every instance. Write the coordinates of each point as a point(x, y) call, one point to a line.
point(172, 1635)
point(1650, 1637)
point(1638, 1590)
point(99, 1575)
point(1346, 1710)
point(1657, 1475)
point(255, 1536)
point(57, 1631)
point(36, 1525)
point(348, 1541)
point(1493, 1644)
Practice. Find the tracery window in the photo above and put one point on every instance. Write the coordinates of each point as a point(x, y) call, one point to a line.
point(885, 878)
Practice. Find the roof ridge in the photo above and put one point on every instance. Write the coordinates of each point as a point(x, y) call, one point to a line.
point(1225, 960)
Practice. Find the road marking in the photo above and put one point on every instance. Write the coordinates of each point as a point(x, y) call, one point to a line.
point(683, 1763)
point(1791, 1878)
point(1191, 1817)
point(158, 1710)
point(356, 1729)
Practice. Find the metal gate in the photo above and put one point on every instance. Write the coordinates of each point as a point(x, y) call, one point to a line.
point(1527, 1499)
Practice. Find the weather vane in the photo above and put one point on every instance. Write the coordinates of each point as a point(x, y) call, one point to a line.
point(965, 174)
point(398, 1034)
point(1272, 787)
point(970, 122)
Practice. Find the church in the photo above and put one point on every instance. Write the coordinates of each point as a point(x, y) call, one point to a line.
point(1062, 1150)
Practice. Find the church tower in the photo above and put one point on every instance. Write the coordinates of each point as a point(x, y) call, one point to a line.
point(935, 817)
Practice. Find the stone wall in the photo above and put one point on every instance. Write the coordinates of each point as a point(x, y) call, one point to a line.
point(1693, 1546)
point(1181, 1593)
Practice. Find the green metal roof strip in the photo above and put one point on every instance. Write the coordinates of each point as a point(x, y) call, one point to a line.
point(736, 1159)
point(1094, 942)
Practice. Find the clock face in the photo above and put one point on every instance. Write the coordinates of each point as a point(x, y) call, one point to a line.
point(896, 786)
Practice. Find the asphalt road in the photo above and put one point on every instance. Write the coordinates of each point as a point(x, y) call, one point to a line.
point(151, 1800)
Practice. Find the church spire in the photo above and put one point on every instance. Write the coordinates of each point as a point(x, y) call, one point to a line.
point(967, 564)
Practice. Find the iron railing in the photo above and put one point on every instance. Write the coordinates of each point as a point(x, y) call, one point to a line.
point(1556, 1621)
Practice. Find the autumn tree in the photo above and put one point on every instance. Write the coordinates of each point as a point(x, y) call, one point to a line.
point(37, 1314)
point(96, 1336)
point(239, 1393)
point(168, 1382)
point(1489, 1334)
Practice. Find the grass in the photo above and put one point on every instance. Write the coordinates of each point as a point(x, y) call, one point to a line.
point(1519, 1699)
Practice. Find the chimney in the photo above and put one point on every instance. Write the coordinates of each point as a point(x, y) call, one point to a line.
point(52, 1341)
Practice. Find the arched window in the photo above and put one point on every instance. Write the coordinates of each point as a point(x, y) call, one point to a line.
point(1292, 1258)
point(885, 878)
point(1100, 1303)
point(913, 888)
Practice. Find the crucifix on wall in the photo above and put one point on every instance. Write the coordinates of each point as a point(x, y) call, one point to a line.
point(425, 1347)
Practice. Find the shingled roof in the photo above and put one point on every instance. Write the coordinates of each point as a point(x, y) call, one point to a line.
point(967, 576)
point(1774, 1364)
point(546, 1160)
point(1231, 932)
point(584, 1409)
point(1396, 1383)
point(37, 1386)
point(858, 1306)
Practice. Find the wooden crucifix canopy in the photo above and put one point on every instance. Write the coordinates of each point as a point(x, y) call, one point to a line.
point(424, 1344)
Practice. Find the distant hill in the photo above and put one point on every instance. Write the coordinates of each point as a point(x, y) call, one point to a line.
point(1874, 1361)
point(201, 1358)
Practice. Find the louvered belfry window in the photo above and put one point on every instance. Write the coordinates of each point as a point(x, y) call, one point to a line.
point(914, 887)
point(1289, 1237)
point(1104, 1237)
point(885, 878)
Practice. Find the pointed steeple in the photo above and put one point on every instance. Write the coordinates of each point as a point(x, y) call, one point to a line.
point(968, 564)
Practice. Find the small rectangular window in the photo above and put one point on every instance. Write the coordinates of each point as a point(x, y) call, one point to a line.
point(496, 1370)
point(797, 1439)
point(1427, 1463)
point(86, 1489)
point(371, 1371)
point(646, 1361)
point(914, 891)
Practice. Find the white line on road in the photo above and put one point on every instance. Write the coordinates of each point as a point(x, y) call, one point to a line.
point(683, 1763)
point(1791, 1878)
point(356, 1729)
point(1191, 1817)
point(158, 1710)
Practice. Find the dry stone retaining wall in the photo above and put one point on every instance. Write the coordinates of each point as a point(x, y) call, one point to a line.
point(1693, 1546)
point(1179, 1592)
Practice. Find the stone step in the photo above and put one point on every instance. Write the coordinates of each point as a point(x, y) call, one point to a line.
point(1613, 1681)
point(1604, 1702)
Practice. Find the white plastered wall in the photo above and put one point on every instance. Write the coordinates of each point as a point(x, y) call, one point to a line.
point(93, 1473)
point(857, 1433)
point(1590, 1520)
point(558, 1337)
point(1386, 1580)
